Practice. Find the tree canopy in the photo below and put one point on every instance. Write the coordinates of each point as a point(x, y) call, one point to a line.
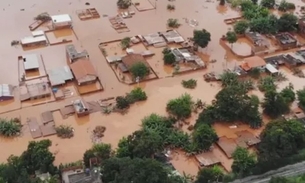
point(275, 104)
point(201, 38)
point(99, 151)
point(180, 107)
point(241, 26)
point(211, 174)
point(243, 161)
point(231, 37)
point(204, 136)
point(287, 22)
point(139, 69)
point(281, 139)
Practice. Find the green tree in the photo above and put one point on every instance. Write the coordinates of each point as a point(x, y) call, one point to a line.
point(241, 26)
point(266, 84)
point(301, 98)
point(288, 93)
point(281, 139)
point(204, 136)
point(139, 69)
point(201, 38)
point(268, 3)
point(124, 4)
point(255, 12)
point(243, 161)
point(287, 22)
point(229, 79)
point(275, 104)
point(126, 170)
point(125, 43)
point(136, 94)
point(208, 175)
point(142, 144)
point(231, 37)
point(191, 83)
point(122, 102)
point(180, 107)
point(285, 6)
point(264, 25)
point(38, 157)
point(169, 58)
point(9, 127)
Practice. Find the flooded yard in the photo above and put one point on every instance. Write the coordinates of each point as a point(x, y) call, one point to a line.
point(90, 34)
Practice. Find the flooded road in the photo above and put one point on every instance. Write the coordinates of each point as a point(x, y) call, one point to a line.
point(90, 34)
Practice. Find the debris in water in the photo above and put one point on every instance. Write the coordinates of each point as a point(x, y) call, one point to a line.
point(87, 3)
point(22, 9)
point(105, 15)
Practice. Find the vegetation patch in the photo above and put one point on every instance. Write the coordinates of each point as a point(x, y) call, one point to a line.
point(10, 127)
point(191, 83)
point(173, 23)
point(64, 131)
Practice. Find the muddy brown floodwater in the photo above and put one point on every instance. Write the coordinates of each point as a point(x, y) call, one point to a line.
point(90, 34)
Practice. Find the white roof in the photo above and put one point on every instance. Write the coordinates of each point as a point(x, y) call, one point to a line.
point(186, 54)
point(271, 69)
point(30, 61)
point(60, 75)
point(30, 39)
point(6, 90)
point(61, 18)
point(38, 33)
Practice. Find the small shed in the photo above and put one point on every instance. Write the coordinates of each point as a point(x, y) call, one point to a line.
point(33, 41)
point(271, 69)
point(61, 21)
point(6, 92)
point(30, 62)
point(83, 71)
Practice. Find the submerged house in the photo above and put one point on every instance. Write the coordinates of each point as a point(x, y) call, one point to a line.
point(286, 40)
point(252, 63)
point(83, 71)
point(61, 21)
point(6, 92)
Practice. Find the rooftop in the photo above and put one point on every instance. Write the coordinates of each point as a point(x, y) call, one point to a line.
point(227, 145)
point(60, 75)
point(30, 61)
point(80, 106)
point(131, 59)
point(257, 39)
point(82, 67)
point(31, 39)
point(79, 176)
point(154, 38)
point(285, 38)
point(207, 159)
point(61, 18)
point(246, 139)
point(253, 62)
point(6, 90)
point(173, 37)
point(74, 54)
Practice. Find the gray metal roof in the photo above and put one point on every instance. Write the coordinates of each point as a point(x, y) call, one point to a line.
point(6, 90)
point(30, 61)
point(60, 75)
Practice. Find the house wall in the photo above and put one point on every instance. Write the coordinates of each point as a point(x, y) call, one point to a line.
point(62, 25)
point(87, 80)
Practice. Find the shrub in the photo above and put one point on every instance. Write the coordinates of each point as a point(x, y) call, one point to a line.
point(123, 4)
point(180, 107)
point(125, 43)
point(169, 58)
point(170, 7)
point(122, 102)
point(10, 127)
point(173, 23)
point(191, 83)
point(64, 131)
point(139, 69)
point(266, 83)
point(241, 26)
point(136, 95)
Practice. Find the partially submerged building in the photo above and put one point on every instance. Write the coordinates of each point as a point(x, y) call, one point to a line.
point(82, 176)
point(259, 42)
point(207, 159)
point(31, 62)
point(81, 108)
point(185, 55)
point(286, 40)
point(59, 76)
point(133, 58)
point(84, 71)
point(6, 92)
point(40, 40)
point(73, 54)
point(254, 62)
point(61, 21)
point(172, 36)
point(34, 91)
point(154, 39)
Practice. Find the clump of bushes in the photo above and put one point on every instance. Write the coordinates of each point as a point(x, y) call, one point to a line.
point(173, 23)
point(170, 7)
point(137, 94)
point(266, 83)
point(64, 131)
point(10, 128)
point(191, 83)
point(43, 17)
point(286, 6)
point(181, 107)
point(125, 42)
point(123, 4)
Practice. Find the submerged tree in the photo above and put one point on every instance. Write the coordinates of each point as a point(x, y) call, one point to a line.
point(180, 107)
point(275, 104)
point(139, 69)
point(203, 137)
point(125, 43)
point(173, 23)
point(243, 161)
point(231, 37)
point(241, 26)
point(123, 4)
point(201, 38)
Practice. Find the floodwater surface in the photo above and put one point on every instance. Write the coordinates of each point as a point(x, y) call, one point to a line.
point(90, 34)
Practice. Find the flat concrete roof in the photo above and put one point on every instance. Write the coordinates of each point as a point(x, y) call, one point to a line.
point(6, 90)
point(61, 18)
point(60, 75)
point(30, 61)
point(30, 39)
point(38, 33)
